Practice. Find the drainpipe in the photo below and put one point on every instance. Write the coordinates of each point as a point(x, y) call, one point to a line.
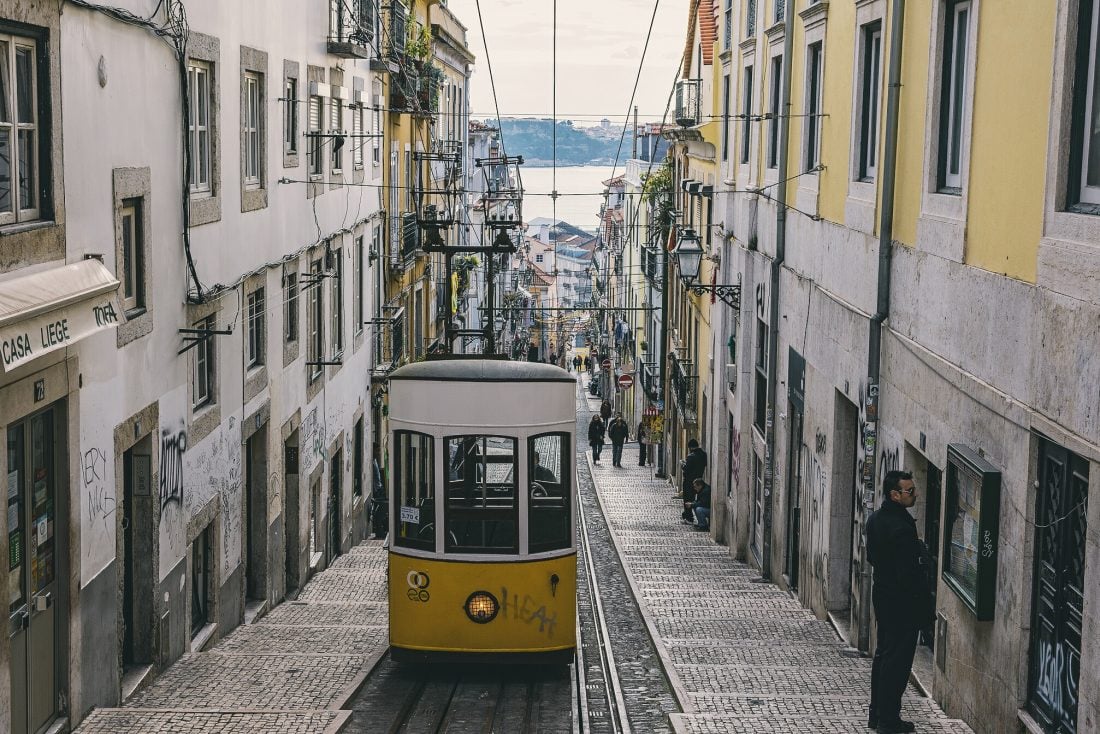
point(776, 271)
point(882, 311)
point(666, 286)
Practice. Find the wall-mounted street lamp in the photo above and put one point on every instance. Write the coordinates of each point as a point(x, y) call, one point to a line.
point(689, 256)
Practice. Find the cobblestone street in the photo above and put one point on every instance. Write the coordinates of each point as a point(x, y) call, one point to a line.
point(290, 672)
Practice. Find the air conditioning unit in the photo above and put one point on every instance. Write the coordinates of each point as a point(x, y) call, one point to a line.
point(731, 377)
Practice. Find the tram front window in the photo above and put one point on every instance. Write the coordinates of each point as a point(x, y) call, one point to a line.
point(549, 511)
point(414, 491)
point(481, 495)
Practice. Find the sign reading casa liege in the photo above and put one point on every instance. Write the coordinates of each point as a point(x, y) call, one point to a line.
point(29, 339)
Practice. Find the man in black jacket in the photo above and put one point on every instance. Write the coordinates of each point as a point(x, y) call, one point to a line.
point(903, 603)
point(618, 432)
point(693, 468)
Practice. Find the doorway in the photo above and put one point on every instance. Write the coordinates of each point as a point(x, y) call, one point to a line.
point(255, 524)
point(37, 528)
point(843, 519)
point(292, 517)
point(926, 511)
point(137, 557)
point(335, 502)
point(795, 453)
point(1058, 609)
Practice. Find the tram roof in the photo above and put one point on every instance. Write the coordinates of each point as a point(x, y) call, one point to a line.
point(481, 370)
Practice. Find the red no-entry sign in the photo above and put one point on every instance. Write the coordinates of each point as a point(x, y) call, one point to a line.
point(625, 382)
point(606, 364)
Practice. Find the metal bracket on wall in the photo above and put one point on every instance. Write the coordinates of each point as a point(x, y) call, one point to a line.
point(192, 337)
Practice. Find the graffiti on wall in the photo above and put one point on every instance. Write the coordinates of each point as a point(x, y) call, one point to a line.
point(173, 445)
point(735, 462)
point(819, 487)
point(99, 496)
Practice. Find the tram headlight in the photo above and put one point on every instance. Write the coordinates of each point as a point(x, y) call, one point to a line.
point(481, 607)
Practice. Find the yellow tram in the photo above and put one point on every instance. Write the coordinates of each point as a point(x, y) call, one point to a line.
point(482, 553)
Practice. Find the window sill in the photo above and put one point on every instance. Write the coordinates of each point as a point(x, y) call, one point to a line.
point(315, 561)
point(202, 638)
point(1083, 208)
point(21, 227)
point(135, 312)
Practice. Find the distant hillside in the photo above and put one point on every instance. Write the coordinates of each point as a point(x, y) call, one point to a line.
point(533, 139)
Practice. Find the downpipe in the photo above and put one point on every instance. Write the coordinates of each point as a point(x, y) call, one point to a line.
point(882, 310)
point(773, 305)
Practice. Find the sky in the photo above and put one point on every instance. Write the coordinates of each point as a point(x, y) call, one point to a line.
point(599, 46)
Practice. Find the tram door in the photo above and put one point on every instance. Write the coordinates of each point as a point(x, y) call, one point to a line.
point(33, 586)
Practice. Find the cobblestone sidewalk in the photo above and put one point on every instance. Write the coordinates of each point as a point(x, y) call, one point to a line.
point(291, 672)
point(742, 656)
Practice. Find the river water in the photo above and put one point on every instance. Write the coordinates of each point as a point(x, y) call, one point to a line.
point(581, 190)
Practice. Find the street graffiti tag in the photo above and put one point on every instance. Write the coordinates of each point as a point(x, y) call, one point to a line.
point(1056, 683)
point(527, 612)
point(173, 444)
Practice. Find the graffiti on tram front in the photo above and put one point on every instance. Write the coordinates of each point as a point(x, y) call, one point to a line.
point(528, 611)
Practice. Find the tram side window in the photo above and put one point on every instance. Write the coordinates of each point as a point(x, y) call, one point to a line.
point(414, 491)
point(549, 479)
point(482, 512)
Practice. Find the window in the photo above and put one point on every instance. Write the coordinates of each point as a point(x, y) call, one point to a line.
point(336, 145)
point(290, 299)
point(358, 296)
point(358, 114)
point(1084, 179)
point(725, 116)
point(376, 124)
point(780, 10)
point(954, 95)
point(198, 126)
point(352, 21)
point(20, 141)
point(750, 18)
point(761, 404)
point(337, 305)
point(773, 110)
point(316, 141)
point(290, 116)
point(812, 122)
point(250, 129)
point(316, 320)
point(548, 479)
point(746, 112)
point(357, 459)
point(256, 328)
point(132, 269)
point(202, 554)
point(538, 258)
point(727, 34)
point(870, 72)
point(414, 490)
point(481, 507)
point(202, 383)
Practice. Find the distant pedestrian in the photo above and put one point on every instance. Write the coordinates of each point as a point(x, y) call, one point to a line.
point(605, 411)
point(596, 431)
point(576, 363)
point(643, 450)
point(902, 600)
point(701, 506)
point(587, 364)
point(693, 468)
point(618, 431)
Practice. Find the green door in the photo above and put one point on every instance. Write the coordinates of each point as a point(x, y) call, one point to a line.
point(32, 569)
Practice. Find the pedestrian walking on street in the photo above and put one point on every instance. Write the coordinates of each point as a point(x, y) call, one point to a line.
point(642, 448)
point(596, 430)
point(901, 598)
point(576, 363)
point(692, 468)
point(605, 411)
point(618, 431)
point(587, 364)
point(701, 506)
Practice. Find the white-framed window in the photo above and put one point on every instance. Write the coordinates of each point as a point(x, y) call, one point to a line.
point(202, 385)
point(870, 56)
point(336, 121)
point(290, 116)
point(132, 268)
point(376, 124)
point(725, 117)
point(198, 125)
point(20, 137)
point(780, 7)
point(750, 18)
point(290, 299)
point(358, 114)
point(337, 303)
point(316, 141)
point(774, 94)
point(256, 327)
point(746, 112)
point(316, 320)
point(954, 95)
point(358, 295)
point(1085, 131)
point(727, 25)
point(251, 123)
point(812, 121)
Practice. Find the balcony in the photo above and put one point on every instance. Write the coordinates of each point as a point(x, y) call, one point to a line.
point(687, 102)
point(395, 19)
point(415, 88)
point(389, 342)
point(651, 380)
point(351, 28)
point(684, 387)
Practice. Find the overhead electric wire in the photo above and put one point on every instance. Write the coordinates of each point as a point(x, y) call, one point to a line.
point(492, 81)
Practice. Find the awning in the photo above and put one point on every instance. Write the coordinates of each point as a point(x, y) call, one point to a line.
point(51, 309)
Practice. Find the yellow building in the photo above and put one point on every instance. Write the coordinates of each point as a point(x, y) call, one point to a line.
point(911, 206)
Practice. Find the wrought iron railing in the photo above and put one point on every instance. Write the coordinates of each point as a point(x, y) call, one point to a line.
point(684, 384)
point(389, 341)
point(651, 379)
point(687, 102)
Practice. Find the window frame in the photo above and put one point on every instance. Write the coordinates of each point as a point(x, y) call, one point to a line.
point(1086, 110)
point(315, 159)
point(197, 126)
point(760, 367)
point(291, 325)
point(255, 310)
point(359, 296)
point(954, 87)
point(869, 102)
point(132, 268)
point(205, 366)
point(774, 99)
point(815, 76)
point(14, 129)
point(565, 482)
point(747, 80)
point(290, 115)
point(358, 119)
point(316, 323)
point(399, 470)
point(252, 131)
point(485, 512)
point(336, 307)
point(725, 117)
point(336, 120)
